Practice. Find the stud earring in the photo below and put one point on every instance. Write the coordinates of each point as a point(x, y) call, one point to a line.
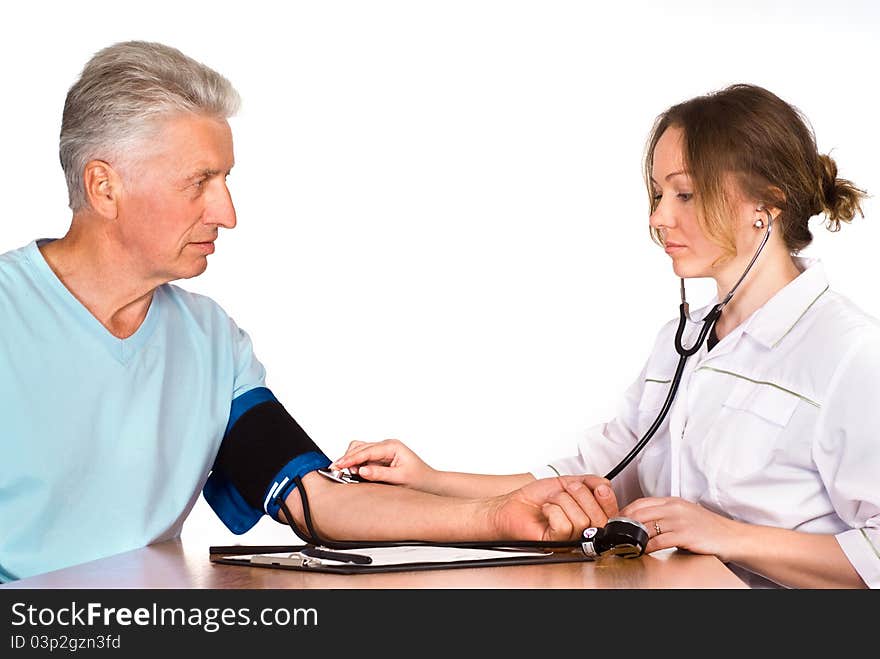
point(759, 224)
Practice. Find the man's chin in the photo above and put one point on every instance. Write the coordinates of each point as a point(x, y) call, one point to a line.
point(193, 269)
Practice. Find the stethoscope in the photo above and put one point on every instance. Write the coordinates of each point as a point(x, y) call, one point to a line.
point(620, 536)
point(708, 322)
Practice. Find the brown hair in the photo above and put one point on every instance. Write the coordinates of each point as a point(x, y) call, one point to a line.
point(769, 148)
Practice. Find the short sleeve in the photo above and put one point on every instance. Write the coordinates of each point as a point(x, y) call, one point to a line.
point(248, 390)
point(846, 451)
point(248, 371)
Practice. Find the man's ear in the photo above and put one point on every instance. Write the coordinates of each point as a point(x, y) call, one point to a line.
point(103, 187)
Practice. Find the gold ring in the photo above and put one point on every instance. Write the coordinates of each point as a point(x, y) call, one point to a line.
point(657, 527)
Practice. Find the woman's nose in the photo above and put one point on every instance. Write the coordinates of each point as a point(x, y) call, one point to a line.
point(661, 217)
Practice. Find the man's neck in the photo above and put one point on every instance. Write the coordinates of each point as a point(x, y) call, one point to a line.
point(103, 280)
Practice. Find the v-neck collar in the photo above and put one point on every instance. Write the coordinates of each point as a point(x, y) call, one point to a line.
point(121, 349)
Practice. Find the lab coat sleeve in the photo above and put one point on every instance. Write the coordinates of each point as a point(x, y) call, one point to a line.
point(604, 445)
point(846, 451)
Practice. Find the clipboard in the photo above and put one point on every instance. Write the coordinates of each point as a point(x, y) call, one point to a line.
point(399, 558)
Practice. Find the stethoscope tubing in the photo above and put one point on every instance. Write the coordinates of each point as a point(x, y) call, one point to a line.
point(684, 353)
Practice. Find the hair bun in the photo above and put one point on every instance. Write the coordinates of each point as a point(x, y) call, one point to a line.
point(841, 200)
point(827, 181)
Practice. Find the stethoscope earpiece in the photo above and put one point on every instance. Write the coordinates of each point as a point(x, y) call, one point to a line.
point(759, 223)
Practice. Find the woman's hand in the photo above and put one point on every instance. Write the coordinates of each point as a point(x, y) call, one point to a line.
point(554, 509)
point(389, 461)
point(685, 525)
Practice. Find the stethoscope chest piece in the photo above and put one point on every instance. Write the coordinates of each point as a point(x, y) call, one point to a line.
point(621, 536)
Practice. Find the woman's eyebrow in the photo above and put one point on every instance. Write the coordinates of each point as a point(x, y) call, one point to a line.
point(669, 176)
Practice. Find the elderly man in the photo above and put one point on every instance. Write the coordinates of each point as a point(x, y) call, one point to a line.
point(123, 396)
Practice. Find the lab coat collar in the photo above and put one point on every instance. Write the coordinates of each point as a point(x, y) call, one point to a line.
point(769, 324)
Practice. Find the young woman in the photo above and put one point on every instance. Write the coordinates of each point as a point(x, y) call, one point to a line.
point(770, 453)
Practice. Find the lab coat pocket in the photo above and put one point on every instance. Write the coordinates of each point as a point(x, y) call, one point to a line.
point(749, 429)
point(653, 394)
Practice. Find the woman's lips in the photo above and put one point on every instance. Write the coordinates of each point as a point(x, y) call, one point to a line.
point(673, 247)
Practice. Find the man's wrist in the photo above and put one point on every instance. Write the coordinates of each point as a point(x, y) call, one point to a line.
point(489, 517)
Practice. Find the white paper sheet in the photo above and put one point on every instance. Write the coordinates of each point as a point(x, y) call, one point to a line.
point(383, 556)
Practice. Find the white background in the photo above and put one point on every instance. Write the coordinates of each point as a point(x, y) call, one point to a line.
point(442, 224)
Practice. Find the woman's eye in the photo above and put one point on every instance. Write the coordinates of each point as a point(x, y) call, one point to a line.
point(657, 196)
point(685, 196)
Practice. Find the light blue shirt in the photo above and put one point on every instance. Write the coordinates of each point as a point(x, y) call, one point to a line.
point(105, 443)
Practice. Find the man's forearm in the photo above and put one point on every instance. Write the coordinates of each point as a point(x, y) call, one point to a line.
point(370, 511)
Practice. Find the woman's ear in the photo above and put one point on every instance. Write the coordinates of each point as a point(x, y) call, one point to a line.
point(774, 201)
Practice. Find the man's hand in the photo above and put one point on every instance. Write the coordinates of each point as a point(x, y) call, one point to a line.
point(554, 509)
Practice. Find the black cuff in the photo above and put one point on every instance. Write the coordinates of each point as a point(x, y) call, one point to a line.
point(258, 446)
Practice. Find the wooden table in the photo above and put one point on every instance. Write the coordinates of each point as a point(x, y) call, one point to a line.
point(174, 564)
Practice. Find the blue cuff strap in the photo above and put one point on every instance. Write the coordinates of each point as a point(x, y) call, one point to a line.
point(238, 516)
point(283, 483)
point(229, 505)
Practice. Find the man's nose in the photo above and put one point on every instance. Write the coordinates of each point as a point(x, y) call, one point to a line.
point(220, 209)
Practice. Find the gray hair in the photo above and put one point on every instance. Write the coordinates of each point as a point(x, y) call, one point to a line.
point(120, 97)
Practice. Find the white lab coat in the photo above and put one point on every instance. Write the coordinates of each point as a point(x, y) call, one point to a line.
point(778, 425)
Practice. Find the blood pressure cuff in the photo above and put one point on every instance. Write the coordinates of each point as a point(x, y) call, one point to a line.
point(263, 450)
